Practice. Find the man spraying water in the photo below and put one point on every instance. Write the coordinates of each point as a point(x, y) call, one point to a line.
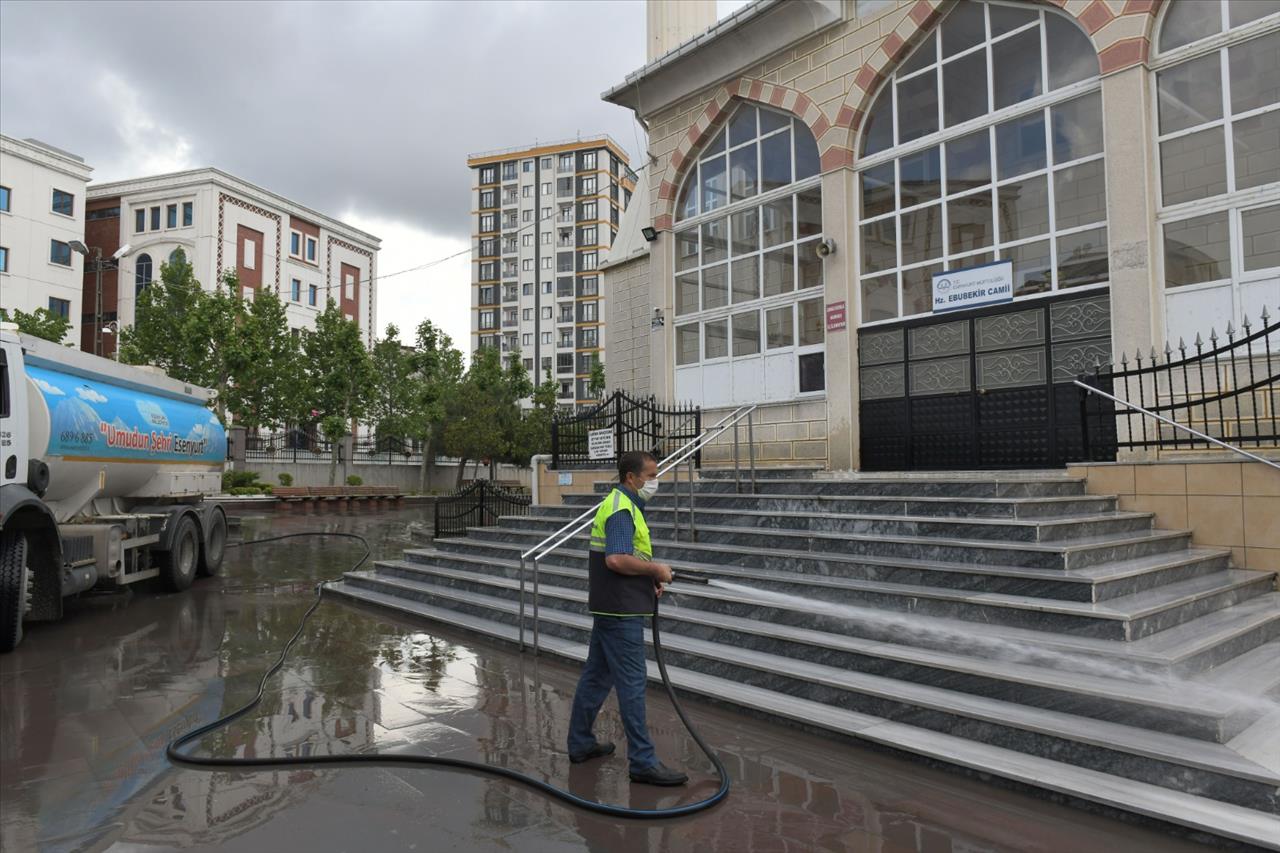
point(624, 585)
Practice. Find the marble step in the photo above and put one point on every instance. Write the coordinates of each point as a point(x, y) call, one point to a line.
point(1183, 809)
point(975, 487)
point(999, 670)
point(1128, 617)
point(662, 511)
point(1195, 766)
point(1093, 584)
point(1073, 554)
point(1258, 668)
point(1053, 506)
point(773, 472)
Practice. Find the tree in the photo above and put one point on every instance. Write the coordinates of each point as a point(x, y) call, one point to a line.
point(477, 423)
point(534, 435)
point(435, 375)
point(263, 359)
point(596, 384)
point(339, 376)
point(42, 323)
point(169, 328)
point(391, 400)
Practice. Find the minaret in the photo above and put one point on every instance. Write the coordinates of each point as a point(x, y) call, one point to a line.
point(670, 23)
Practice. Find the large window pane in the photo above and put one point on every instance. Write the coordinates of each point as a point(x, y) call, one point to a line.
point(687, 344)
point(743, 125)
point(809, 213)
point(1190, 94)
point(687, 293)
point(1006, 18)
point(1031, 268)
point(688, 204)
point(746, 279)
point(1024, 208)
point(1193, 166)
point(877, 133)
point(879, 246)
point(686, 250)
point(1188, 22)
point(714, 184)
point(921, 234)
point(775, 161)
point(810, 320)
point(1197, 250)
point(1015, 68)
point(1255, 73)
point(1082, 258)
point(917, 289)
point(779, 271)
point(810, 265)
point(920, 176)
point(746, 333)
point(746, 231)
point(812, 367)
point(1257, 149)
point(1260, 234)
point(917, 107)
point(1244, 11)
point(716, 339)
point(715, 241)
point(968, 162)
point(925, 54)
point(1077, 128)
point(1020, 145)
point(1072, 57)
point(879, 298)
point(742, 173)
point(877, 190)
point(778, 327)
point(964, 83)
point(1080, 194)
point(969, 223)
point(808, 163)
point(715, 286)
point(779, 222)
point(963, 28)
point(771, 121)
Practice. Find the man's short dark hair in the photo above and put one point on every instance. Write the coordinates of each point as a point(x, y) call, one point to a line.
point(632, 462)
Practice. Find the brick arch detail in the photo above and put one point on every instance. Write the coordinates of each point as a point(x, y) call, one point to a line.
point(743, 90)
point(1121, 32)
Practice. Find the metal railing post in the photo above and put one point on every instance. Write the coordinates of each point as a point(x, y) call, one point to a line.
point(676, 520)
point(536, 644)
point(521, 602)
point(751, 448)
point(693, 521)
point(737, 462)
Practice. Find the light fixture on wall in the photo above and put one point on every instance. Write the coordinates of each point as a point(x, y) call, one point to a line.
point(658, 320)
point(650, 233)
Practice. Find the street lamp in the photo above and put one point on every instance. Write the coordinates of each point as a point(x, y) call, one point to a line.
point(95, 263)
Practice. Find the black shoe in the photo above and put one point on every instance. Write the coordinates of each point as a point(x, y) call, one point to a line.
point(659, 774)
point(598, 751)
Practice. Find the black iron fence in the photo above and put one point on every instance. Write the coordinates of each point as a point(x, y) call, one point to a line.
point(480, 504)
point(633, 424)
point(1227, 387)
point(302, 445)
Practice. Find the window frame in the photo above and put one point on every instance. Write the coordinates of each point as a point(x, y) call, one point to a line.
point(70, 264)
point(6, 199)
point(60, 307)
point(53, 202)
point(188, 214)
point(4, 259)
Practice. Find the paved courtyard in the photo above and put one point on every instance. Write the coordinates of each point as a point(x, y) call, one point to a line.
point(87, 705)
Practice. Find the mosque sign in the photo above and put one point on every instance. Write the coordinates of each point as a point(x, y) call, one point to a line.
point(600, 444)
point(986, 284)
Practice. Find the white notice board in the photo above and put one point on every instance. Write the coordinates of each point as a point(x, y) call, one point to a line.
point(600, 444)
point(986, 284)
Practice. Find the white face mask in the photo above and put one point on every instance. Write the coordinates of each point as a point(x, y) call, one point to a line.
point(649, 489)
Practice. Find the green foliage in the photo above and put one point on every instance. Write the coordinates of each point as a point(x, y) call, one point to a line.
point(286, 480)
point(355, 480)
point(391, 404)
point(42, 323)
point(338, 376)
point(596, 384)
point(239, 479)
point(477, 414)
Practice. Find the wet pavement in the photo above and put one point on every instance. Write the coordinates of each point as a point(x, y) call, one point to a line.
point(88, 704)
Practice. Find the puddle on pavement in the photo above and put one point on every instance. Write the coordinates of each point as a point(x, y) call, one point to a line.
point(88, 704)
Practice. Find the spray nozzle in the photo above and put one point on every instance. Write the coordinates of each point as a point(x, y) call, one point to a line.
point(690, 577)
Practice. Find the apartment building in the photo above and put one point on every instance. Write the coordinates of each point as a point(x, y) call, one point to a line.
point(221, 222)
point(544, 216)
point(42, 212)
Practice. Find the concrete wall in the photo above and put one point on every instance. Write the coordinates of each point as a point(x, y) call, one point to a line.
point(784, 434)
point(627, 360)
point(1232, 505)
point(581, 482)
point(440, 478)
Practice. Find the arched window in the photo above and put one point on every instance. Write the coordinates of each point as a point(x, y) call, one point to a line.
point(984, 144)
point(1218, 132)
point(178, 256)
point(748, 281)
point(141, 273)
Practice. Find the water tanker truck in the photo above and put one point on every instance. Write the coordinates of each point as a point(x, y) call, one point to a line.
point(104, 473)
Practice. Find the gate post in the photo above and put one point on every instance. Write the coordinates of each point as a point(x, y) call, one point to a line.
point(617, 425)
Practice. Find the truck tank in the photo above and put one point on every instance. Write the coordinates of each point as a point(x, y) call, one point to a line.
point(132, 440)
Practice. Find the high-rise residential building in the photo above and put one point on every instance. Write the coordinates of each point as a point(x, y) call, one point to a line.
point(223, 223)
point(543, 218)
point(42, 211)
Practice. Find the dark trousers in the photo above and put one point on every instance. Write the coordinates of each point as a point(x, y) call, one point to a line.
point(615, 661)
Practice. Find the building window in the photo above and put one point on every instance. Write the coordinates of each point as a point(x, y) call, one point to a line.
point(546, 263)
point(1218, 122)
point(311, 249)
point(526, 240)
point(139, 220)
point(188, 213)
point(64, 203)
point(589, 312)
point(248, 255)
point(488, 222)
point(588, 338)
point(488, 319)
point(60, 307)
point(587, 210)
point(349, 284)
point(488, 271)
point(587, 186)
point(102, 213)
point(743, 265)
point(526, 191)
point(155, 219)
point(142, 272)
point(526, 314)
point(587, 236)
point(59, 253)
point(527, 264)
point(546, 312)
point(526, 339)
point(546, 287)
point(4, 259)
point(311, 294)
point(546, 162)
point(546, 188)
point(295, 289)
point(295, 243)
point(488, 174)
point(546, 337)
point(588, 260)
point(488, 198)
point(171, 216)
point(588, 160)
point(589, 285)
point(509, 170)
point(526, 165)
point(1029, 188)
point(4, 199)
point(527, 288)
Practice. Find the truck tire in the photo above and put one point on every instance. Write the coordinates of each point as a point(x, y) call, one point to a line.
point(214, 547)
point(14, 588)
point(178, 564)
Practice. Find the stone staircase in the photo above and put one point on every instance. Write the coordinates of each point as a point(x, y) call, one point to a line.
point(1005, 623)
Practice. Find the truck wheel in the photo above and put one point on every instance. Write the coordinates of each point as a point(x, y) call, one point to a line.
point(178, 564)
point(214, 547)
point(14, 588)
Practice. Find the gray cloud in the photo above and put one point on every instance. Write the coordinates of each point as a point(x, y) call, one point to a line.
point(340, 106)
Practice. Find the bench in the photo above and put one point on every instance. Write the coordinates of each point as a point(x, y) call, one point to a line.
point(316, 494)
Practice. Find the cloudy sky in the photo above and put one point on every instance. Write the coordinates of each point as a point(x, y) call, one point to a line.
point(364, 111)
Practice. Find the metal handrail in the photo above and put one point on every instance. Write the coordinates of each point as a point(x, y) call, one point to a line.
point(1197, 433)
point(574, 527)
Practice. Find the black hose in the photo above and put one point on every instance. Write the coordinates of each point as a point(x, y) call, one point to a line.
point(196, 762)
